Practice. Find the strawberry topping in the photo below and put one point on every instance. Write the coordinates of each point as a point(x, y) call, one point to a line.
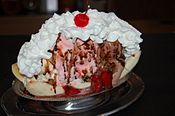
point(70, 91)
point(106, 77)
point(102, 81)
point(96, 83)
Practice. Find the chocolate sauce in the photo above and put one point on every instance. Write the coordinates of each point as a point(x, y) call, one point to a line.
point(53, 83)
point(108, 54)
point(104, 56)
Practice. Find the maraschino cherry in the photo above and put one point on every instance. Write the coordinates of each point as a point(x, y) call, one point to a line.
point(81, 20)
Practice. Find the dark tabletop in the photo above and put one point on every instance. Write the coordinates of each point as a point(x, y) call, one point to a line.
point(156, 68)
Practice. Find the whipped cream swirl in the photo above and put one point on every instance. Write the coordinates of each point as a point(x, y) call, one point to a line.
point(101, 27)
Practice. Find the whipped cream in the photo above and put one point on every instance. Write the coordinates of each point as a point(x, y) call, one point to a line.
point(101, 27)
